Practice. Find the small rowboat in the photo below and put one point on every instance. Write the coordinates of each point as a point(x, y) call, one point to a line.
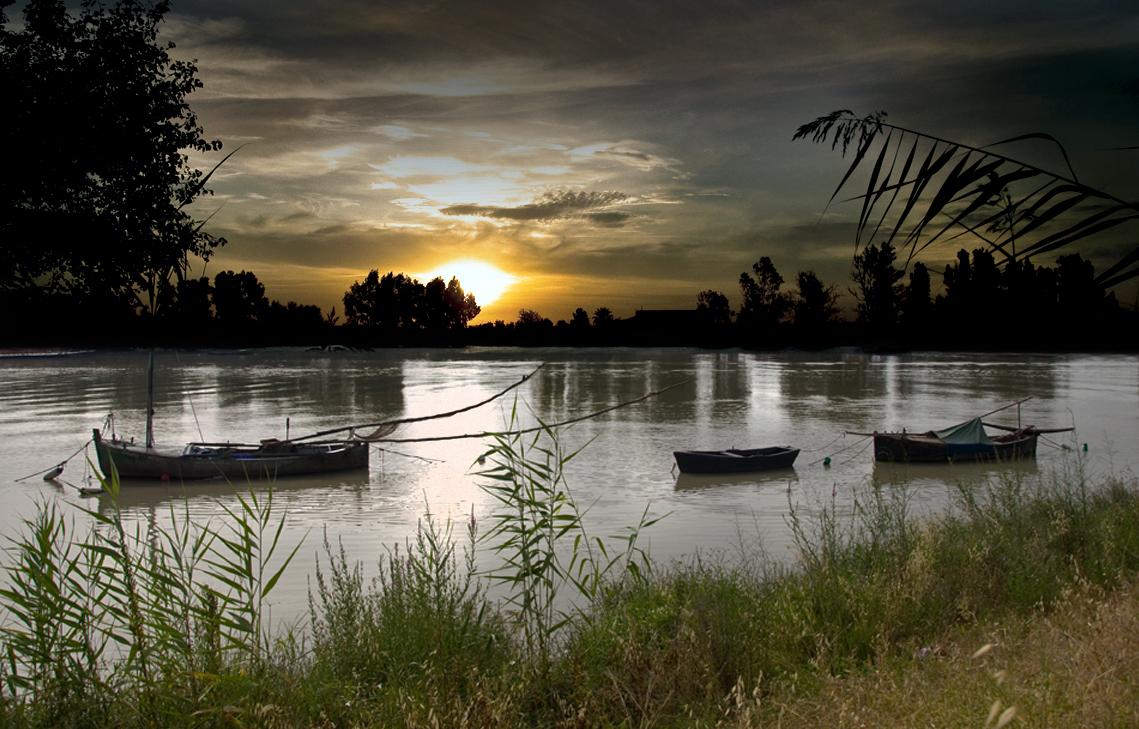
point(735, 460)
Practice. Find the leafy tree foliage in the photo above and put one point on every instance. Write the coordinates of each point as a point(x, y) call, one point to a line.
point(815, 306)
point(239, 298)
point(386, 302)
point(96, 132)
point(580, 320)
point(530, 318)
point(764, 305)
point(397, 302)
point(715, 306)
point(1051, 305)
point(603, 318)
point(460, 307)
point(917, 307)
point(879, 290)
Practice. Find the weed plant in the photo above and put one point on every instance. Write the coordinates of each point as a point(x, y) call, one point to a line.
point(163, 626)
point(112, 628)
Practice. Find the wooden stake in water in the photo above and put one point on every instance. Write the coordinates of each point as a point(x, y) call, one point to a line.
point(150, 402)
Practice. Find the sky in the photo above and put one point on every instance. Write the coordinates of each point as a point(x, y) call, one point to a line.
point(619, 154)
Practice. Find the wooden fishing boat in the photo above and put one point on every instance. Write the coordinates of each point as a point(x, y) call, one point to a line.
point(930, 447)
point(234, 461)
point(735, 460)
point(343, 448)
point(964, 442)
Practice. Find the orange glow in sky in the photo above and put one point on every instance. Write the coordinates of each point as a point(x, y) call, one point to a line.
point(485, 281)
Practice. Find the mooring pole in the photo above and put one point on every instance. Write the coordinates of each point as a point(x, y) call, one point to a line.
point(150, 402)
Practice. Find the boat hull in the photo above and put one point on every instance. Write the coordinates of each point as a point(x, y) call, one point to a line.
point(197, 462)
point(735, 461)
point(914, 448)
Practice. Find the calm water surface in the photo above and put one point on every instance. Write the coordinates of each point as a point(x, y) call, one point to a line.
point(48, 407)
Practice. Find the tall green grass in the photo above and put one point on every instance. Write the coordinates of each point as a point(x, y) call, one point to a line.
point(540, 535)
point(126, 628)
point(164, 626)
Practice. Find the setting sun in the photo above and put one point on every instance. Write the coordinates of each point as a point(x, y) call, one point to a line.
point(483, 280)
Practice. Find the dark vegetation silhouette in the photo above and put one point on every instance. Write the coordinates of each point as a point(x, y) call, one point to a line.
point(923, 189)
point(878, 289)
point(96, 180)
point(396, 308)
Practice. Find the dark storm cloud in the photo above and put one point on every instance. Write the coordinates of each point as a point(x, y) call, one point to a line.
point(611, 219)
point(551, 206)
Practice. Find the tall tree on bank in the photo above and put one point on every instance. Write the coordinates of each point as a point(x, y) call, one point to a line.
point(814, 309)
point(97, 132)
point(917, 305)
point(764, 305)
point(878, 288)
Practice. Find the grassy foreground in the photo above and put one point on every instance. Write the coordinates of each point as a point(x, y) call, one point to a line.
point(875, 624)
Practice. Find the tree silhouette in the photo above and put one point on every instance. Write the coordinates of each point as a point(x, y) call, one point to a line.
point(192, 305)
point(715, 306)
point(878, 289)
point(603, 318)
point(239, 299)
point(974, 289)
point(814, 307)
point(433, 309)
point(396, 302)
point(580, 320)
point(917, 307)
point(764, 306)
point(1082, 300)
point(460, 307)
point(530, 318)
point(388, 303)
point(96, 132)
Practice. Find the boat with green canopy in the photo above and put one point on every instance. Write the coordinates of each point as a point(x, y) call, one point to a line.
point(964, 442)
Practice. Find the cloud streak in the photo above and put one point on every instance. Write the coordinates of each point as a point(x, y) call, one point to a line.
point(553, 205)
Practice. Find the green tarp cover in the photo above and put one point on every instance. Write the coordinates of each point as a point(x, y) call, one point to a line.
point(969, 432)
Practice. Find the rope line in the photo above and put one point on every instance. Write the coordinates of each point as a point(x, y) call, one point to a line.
point(56, 465)
point(536, 428)
point(845, 448)
point(860, 451)
point(837, 438)
point(190, 399)
point(410, 455)
point(1054, 444)
point(403, 421)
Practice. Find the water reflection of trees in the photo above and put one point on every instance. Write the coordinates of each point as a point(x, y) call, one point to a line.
point(596, 380)
point(236, 396)
point(839, 387)
point(834, 387)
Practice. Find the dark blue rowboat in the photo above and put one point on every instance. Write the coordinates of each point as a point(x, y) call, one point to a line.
point(736, 460)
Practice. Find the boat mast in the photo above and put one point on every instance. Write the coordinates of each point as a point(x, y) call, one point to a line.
point(150, 402)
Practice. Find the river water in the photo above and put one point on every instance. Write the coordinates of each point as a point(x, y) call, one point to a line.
point(48, 406)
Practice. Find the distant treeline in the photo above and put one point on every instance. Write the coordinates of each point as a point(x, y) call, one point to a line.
point(980, 305)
